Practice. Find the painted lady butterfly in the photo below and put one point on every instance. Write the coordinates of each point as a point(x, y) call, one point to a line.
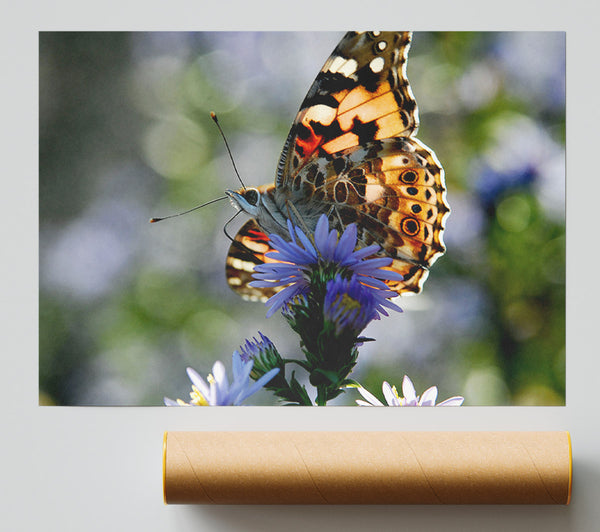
point(352, 154)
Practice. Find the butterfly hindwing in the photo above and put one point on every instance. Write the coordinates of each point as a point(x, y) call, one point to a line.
point(394, 191)
point(246, 251)
point(360, 94)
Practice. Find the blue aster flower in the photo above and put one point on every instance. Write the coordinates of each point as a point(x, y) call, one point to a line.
point(218, 391)
point(349, 305)
point(254, 348)
point(298, 260)
point(264, 354)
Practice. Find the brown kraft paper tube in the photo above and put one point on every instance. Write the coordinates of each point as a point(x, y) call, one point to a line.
point(367, 467)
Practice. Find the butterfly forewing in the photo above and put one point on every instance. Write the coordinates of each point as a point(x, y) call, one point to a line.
point(360, 94)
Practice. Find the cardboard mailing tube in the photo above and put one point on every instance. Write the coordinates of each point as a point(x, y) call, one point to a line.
point(367, 467)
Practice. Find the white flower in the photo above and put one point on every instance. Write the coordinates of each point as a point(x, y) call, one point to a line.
point(410, 396)
point(218, 391)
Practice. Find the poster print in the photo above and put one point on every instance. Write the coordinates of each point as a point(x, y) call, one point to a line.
point(429, 165)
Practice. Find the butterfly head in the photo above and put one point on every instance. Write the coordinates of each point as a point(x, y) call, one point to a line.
point(246, 199)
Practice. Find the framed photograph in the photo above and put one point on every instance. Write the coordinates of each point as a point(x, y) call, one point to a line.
point(356, 168)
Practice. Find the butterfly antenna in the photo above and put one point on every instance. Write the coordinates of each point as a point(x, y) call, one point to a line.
point(154, 220)
point(216, 121)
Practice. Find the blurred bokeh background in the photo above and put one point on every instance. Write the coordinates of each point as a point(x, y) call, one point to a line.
point(125, 134)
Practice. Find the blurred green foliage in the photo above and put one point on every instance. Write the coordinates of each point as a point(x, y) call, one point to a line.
point(125, 134)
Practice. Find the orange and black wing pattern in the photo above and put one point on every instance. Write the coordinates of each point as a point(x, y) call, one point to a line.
point(361, 94)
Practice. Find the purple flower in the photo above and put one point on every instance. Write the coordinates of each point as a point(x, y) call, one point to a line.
point(299, 259)
point(263, 353)
point(349, 304)
point(254, 348)
point(218, 391)
point(492, 184)
point(410, 396)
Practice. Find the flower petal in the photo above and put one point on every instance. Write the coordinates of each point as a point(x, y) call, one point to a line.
point(290, 227)
point(198, 382)
point(388, 275)
point(390, 396)
point(457, 400)
point(240, 384)
point(364, 403)
point(323, 237)
point(170, 402)
point(346, 244)
point(260, 383)
point(373, 401)
point(277, 268)
point(269, 284)
point(280, 298)
point(308, 247)
point(429, 396)
point(367, 251)
point(408, 390)
point(372, 264)
point(328, 247)
point(237, 365)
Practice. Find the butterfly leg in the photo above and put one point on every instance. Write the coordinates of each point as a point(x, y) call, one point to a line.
point(334, 211)
point(294, 214)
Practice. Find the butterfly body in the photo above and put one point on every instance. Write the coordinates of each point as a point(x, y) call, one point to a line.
point(351, 154)
point(260, 203)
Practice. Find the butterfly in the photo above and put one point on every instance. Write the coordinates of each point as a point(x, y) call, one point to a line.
point(351, 154)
